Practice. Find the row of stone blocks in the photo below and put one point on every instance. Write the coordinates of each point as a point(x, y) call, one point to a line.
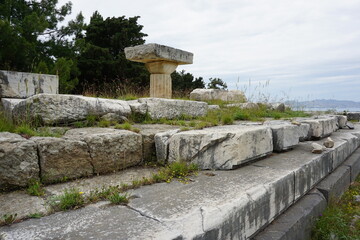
point(222, 205)
point(89, 151)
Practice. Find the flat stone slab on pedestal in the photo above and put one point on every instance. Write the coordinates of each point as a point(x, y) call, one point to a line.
point(223, 147)
point(23, 85)
point(153, 52)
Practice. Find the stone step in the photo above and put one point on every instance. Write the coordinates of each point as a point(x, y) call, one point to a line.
point(222, 205)
point(105, 150)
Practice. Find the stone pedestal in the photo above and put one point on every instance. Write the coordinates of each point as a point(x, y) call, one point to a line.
point(160, 61)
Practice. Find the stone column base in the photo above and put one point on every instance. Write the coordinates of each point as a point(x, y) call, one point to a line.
point(160, 85)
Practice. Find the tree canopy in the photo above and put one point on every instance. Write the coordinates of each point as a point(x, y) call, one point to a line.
point(34, 38)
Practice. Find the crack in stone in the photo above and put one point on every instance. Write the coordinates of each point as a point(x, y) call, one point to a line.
point(202, 219)
point(91, 157)
point(143, 214)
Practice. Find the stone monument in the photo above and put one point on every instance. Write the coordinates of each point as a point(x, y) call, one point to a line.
point(160, 61)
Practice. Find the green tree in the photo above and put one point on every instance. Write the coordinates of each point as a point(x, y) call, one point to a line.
point(216, 83)
point(30, 33)
point(102, 60)
point(185, 82)
point(67, 71)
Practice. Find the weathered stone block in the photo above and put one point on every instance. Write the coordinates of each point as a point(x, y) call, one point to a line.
point(52, 109)
point(342, 121)
point(110, 149)
point(222, 147)
point(23, 85)
point(155, 52)
point(168, 108)
point(285, 135)
point(148, 132)
point(18, 161)
point(353, 116)
point(60, 158)
point(334, 185)
point(297, 222)
point(201, 94)
point(322, 127)
point(354, 163)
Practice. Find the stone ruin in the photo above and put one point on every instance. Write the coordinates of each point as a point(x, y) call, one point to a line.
point(160, 61)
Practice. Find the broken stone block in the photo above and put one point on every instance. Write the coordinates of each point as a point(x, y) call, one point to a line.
point(62, 158)
point(342, 121)
point(162, 144)
point(110, 149)
point(23, 85)
point(18, 161)
point(222, 147)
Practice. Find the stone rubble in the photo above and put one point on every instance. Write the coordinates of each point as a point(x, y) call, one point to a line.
point(329, 143)
point(317, 148)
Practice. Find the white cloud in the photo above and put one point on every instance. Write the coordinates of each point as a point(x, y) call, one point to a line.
point(297, 42)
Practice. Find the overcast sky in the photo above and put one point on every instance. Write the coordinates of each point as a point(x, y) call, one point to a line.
point(300, 50)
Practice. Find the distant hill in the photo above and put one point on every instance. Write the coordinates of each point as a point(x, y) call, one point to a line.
point(324, 103)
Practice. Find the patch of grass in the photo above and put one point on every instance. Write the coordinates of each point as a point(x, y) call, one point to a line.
point(36, 215)
point(341, 220)
point(127, 126)
point(71, 199)
point(119, 199)
point(5, 124)
point(35, 189)
point(180, 170)
point(8, 219)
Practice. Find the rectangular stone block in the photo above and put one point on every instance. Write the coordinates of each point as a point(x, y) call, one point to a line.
point(63, 158)
point(23, 85)
point(285, 135)
point(297, 222)
point(223, 147)
point(334, 185)
point(110, 149)
point(322, 127)
point(155, 52)
point(18, 161)
point(8, 105)
point(354, 163)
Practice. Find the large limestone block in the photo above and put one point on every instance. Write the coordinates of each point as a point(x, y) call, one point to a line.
point(201, 94)
point(223, 147)
point(353, 116)
point(110, 149)
point(323, 126)
point(285, 135)
point(158, 108)
point(23, 85)
point(63, 158)
point(162, 144)
point(8, 104)
point(153, 52)
point(52, 109)
point(18, 161)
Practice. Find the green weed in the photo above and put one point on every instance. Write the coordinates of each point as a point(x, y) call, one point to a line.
point(36, 215)
point(34, 188)
point(71, 199)
point(340, 220)
point(117, 198)
point(8, 219)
